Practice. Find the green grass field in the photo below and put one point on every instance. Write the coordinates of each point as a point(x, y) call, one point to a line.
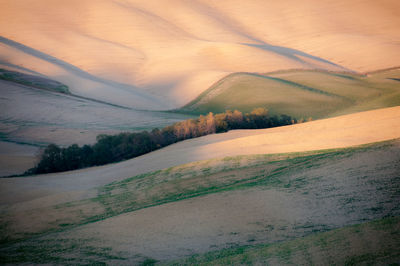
point(300, 93)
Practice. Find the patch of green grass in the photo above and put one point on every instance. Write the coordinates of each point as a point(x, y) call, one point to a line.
point(300, 93)
point(60, 251)
point(148, 262)
point(366, 243)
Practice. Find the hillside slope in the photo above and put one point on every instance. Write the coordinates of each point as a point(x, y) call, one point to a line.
point(216, 204)
point(162, 55)
point(368, 243)
point(338, 132)
point(33, 117)
point(300, 93)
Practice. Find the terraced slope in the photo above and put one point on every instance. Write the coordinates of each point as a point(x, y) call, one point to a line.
point(301, 93)
point(216, 204)
point(152, 55)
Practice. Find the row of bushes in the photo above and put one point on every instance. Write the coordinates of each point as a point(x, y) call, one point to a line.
point(114, 148)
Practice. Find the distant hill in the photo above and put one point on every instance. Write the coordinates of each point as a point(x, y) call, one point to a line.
point(161, 55)
point(300, 93)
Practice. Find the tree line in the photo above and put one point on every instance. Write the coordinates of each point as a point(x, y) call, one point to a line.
point(115, 148)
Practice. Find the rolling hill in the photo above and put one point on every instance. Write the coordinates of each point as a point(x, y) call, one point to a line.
point(127, 213)
point(33, 113)
point(338, 132)
point(65, 118)
point(300, 93)
point(320, 192)
point(215, 204)
point(152, 55)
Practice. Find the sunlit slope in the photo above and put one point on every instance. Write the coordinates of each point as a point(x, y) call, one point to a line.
point(337, 132)
point(152, 54)
point(301, 93)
